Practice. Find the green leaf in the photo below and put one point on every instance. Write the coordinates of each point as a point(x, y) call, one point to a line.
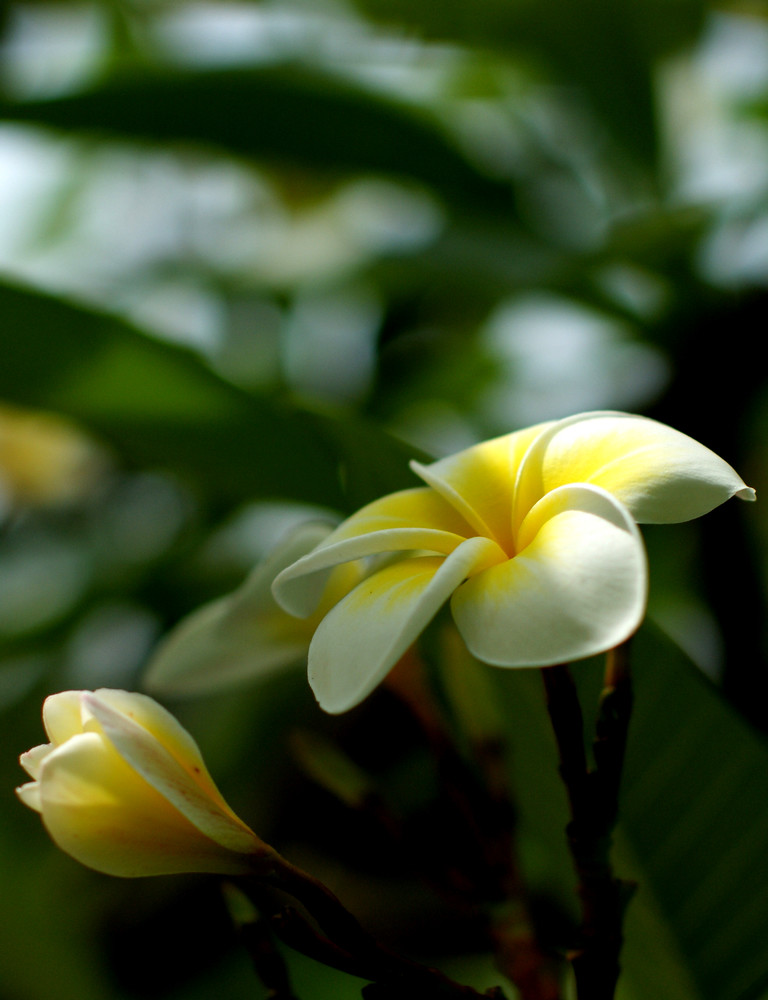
point(607, 49)
point(695, 813)
point(652, 962)
point(286, 115)
point(159, 406)
point(693, 824)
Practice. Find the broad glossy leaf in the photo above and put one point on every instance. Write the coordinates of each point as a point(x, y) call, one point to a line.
point(652, 961)
point(695, 814)
point(161, 407)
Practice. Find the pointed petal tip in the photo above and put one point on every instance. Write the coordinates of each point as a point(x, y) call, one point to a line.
point(29, 794)
point(32, 760)
point(746, 493)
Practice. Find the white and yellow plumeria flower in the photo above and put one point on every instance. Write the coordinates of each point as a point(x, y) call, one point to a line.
point(123, 789)
point(245, 635)
point(533, 536)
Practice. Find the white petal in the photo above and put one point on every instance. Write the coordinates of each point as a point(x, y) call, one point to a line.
point(156, 747)
point(62, 715)
point(413, 520)
point(362, 638)
point(128, 711)
point(577, 588)
point(659, 474)
point(99, 810)
point(29, 794)
point(205, 652)
point(478, 482)
point(238, 637)
point(33, 759)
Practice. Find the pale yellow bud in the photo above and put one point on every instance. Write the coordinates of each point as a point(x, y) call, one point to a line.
point(122, 788)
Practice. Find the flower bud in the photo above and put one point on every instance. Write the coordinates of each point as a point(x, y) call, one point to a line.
point(122, 788)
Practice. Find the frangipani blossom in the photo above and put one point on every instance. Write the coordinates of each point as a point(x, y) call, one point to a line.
point(123, 789)
point(245, 635)
point(533, 536)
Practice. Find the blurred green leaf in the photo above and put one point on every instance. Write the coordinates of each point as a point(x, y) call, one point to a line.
point(695, 813)
point(652, 962)
point(285, 115)
point(58, 966)
point(161, 407)
point(325, 763)
point(606, 48)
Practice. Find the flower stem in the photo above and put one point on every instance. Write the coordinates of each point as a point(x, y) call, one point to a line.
point(473, 788)
point(343, 942)
point(593, 798)
point(255, 937)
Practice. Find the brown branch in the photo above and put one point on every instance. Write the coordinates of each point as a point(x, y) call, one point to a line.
point(254, 935)
point(345, 942)
point(593, 797)
point(474, 788)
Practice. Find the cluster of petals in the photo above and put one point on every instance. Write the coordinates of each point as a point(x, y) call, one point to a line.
point(532, 536)
point(122, 788)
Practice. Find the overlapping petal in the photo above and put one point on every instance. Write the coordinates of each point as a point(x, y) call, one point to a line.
point(63, 716)
point(123, 788)
point(558, 502)
point(29, 794)
point(102, 814)
point(158, 749)
point(576, 587)
point(410, 520)
point(658, 473)
point(479, 481)
point(362, 638)
point(245, 635)
point(33, 759)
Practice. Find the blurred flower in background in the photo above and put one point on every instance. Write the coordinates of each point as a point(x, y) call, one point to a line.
point(45, 460)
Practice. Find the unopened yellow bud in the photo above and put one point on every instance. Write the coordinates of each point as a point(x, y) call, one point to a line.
point(122, 788)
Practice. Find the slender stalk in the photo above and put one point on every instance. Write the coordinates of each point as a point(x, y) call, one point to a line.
point(593, 798)
point(567, 722)
point(266, 960)
point(254, 934)
point(344, 943)
point(291, 927)
point(475, 790)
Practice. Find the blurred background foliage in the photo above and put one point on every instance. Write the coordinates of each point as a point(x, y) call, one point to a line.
point(253, 257)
